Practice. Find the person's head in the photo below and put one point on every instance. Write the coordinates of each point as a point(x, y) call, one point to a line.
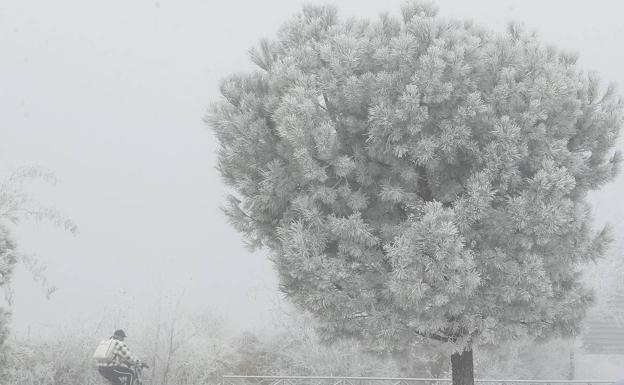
point(119, 335)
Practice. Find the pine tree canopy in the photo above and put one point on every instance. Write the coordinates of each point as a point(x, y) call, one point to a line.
point(419, 178)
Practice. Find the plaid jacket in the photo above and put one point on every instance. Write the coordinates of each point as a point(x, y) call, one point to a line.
point(121, 356)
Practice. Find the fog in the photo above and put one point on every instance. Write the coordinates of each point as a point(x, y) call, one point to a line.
point(110, 96)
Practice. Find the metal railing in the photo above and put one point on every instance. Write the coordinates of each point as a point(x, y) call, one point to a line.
point(318, 380)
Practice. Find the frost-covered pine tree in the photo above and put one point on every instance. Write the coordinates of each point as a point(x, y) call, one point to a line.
point(419, 178)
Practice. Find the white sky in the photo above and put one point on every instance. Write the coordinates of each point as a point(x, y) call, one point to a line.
point(110, 95)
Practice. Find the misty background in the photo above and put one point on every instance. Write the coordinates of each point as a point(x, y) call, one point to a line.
point(110, 96)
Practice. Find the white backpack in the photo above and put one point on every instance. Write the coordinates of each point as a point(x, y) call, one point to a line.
point(104, 353)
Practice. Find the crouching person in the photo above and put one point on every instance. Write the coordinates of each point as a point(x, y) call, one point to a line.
point(114, 360)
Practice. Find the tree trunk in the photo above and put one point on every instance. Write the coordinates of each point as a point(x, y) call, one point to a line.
point(462, 368)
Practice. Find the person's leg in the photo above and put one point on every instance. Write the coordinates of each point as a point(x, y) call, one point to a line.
point(126, 373)
point(110, 375)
